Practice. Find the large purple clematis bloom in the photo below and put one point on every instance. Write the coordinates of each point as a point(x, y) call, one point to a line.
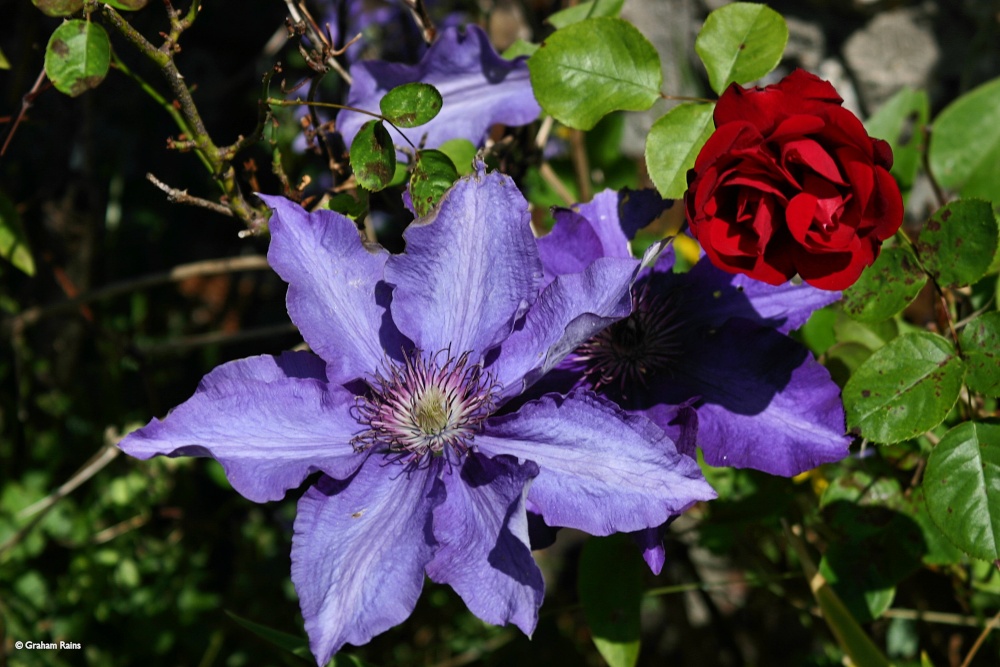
point(706, 338)
point(398, 409)
point(477, 86)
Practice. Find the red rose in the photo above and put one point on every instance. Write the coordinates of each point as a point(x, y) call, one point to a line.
point(790, 183)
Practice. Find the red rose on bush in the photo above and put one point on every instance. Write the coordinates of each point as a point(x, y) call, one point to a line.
point(790, 183)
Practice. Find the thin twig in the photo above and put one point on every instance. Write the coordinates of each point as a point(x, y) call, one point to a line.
point(549, 176)
point(182, 197)
point(994, 622)
point(178, 273)
point(423, 19)
point(941, 617)
point(298, 16)
point(581, 166)
point(26, 103)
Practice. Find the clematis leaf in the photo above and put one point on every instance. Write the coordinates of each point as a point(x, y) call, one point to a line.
point(58, 7)
point(411, 104)
point(462, 152)
point(610, 588)
point(673, 144)
point(128, 5)
point(586, 10)
point(964, 151)
point(373, 157)
point(77, 57)
point(13, 243)
point(962, 483)
point(431, 178)
point(740, 42)
point(904, 388)
point(980, 340)
point(958, 243)
point(885, 288)
point(900, 121)
point(586, 70)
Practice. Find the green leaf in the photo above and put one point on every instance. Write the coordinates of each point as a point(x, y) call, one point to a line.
point(901, 121)
point(519, 48)
point(373, 157)
point(461, 152)
point(740, 42)
point(885, 288)
point(610, 589)
point(77, 57)
point(904, 388)
point(297, 645)
point(962, 484)
point(673, 144)
point(964, 151)
point(433, 174)
point(13, 243)
point(586, 10)
point(411, 104)
point(4, 63)
point(980, 343)
point(128, 5)
point(958, 243)
point(58, 7)
point(348, 205)
point(589, 69)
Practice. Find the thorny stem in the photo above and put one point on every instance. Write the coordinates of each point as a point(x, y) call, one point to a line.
point(26, 103)
point(218, 160)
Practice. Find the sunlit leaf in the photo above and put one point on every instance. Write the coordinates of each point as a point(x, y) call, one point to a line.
point(901, 121)
point(980, 343)
point(58, 7)
point(741, 42)
point(585, 10)
point(962, 484)
point(13, 243)
point(77, 57)
point(411, 104)
point(958, 243)
point(589, 69)
point(886, 287)
point(433, 174)
point(673, 144)
point(373, 157)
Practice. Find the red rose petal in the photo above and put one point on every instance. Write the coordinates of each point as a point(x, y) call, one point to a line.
point(800, 214)
point(796, 126)
point(811, 154)
point(887, 205)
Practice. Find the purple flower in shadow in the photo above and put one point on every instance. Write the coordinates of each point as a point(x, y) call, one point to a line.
point(401, 407)
point(704, 349)
point(477, 86)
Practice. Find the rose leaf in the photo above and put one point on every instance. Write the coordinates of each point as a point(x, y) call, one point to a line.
point(77, 57)
point(964, 151)
point(585, 10)
point(740, 42)
point(980, 342)
point(958, 243)
point(673, 144)
point(962, 484)
point(904, 388)
point(588, 69)
point(885, 288)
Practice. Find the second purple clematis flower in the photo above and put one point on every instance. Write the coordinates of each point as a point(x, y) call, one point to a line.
point(478, 88)
point(398, 409)
point(707, 339)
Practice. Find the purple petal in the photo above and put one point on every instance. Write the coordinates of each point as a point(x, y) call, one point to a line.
point(766, 403)
point(477, 86)
point(722, 295)
point(482, 529)
point(359, 552)
point(599, 228)
point(470, 268)
point(334, 296)
point(270, 422)
point(570, 310)
point(601, 470)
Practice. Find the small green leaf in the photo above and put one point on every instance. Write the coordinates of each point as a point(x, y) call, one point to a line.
point(904, 388)
point(589, 69)
point(348, 205)
point(980, 343)
point(461, 152)
point(13, 243)
point(58, 7)
point(958, 243)
point(964, 151)
point(4, 63)
point(128, 5)
point(586, 10)
point(373, 157)
point(610, 589)
point(962, 484)
point(411, 104)
point(885, 288)
point(741, 42)
point(901, 121)
point(433, 174)
point(77, 57)
point(673, 145)
point(519, 48)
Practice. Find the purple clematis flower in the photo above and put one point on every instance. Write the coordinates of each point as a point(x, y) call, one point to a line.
point(477, 86)
point(708, 339)
point(400, 410)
